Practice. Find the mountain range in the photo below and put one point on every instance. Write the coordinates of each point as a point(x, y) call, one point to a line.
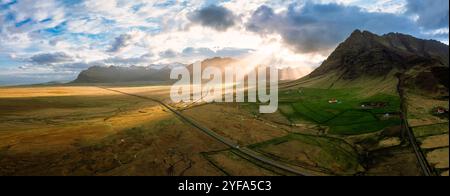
point(364, 60)
point(116, 74)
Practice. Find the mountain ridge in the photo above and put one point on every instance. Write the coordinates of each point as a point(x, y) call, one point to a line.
point(368, 60)
point(380, 54)
point(113, 74)
point(117, 74)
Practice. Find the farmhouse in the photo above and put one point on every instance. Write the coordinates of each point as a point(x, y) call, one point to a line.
point(371, 105)
point(333, 101)
point(441, 110)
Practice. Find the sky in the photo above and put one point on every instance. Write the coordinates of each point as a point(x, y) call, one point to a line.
point(53, 40)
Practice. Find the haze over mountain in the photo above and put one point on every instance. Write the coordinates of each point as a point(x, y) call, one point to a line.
point(369, 60)
point(115, 74)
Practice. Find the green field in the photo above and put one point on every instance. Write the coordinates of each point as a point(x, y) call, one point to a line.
point(325, 154)
point(431, 130)
point(347, 116)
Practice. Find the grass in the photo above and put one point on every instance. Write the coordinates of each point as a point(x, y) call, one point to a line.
point(420, 110)
point(92, 131)
point(346, 117)
point(58, 118)
point(232, 163)
point(330, 155)
point(356, 129)
point(430, 130)
point(352, 117)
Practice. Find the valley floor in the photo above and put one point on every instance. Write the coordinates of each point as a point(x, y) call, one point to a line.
point(87, 130)
point(431, 130)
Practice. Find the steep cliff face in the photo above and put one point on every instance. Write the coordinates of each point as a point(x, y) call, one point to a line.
point(366, 55)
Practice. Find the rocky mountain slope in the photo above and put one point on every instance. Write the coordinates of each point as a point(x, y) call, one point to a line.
point(369, 60)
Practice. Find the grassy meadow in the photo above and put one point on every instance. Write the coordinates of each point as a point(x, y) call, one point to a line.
point(345, 117)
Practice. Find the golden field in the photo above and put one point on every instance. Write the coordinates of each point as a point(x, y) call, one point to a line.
point(107, 130)
point(92, 131)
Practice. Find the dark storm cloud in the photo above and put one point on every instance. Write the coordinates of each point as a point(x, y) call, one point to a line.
point(317, 27)
point(51, 58)
point(433, 14)
point(216, 17)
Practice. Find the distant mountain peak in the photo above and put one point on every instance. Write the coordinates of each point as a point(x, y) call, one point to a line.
point(113, 74)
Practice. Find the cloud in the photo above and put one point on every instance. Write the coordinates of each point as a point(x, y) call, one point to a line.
point(318, 27)
point(208, 53)
point(140, 60)
point(431, 14)
point(125, 40)
point(192, 54)
point(168, 54)
point(51, 58)
point(121, 32)
point(28, 15)
point(233, 52)
point(203, 52)
point(216, 17)
point(76, 66)
point(121, 42)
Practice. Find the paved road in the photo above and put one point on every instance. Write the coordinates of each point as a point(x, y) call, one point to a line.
point(244, 150)
point(406, 129)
